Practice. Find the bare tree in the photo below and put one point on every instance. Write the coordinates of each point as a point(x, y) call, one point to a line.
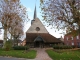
point(62, 14)
point(12, 16)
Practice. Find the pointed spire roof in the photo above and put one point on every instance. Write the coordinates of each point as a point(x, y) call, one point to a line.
point(35, 13)
point(36, 23)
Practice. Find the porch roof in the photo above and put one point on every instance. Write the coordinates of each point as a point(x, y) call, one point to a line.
point(39, 38)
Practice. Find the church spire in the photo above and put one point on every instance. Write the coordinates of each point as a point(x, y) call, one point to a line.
point(35, 13)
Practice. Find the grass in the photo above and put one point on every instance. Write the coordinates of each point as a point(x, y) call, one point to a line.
point(64, 55)
point(19, 53)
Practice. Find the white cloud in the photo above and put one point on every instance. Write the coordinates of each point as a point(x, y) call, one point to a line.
point(27, 25)
point(29, 9)
point(38, 14)
point(30, 17)
point(54, 32)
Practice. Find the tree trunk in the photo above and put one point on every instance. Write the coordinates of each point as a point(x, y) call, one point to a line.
point(5, 37)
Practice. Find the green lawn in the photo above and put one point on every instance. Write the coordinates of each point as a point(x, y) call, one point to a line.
point(19, 53)
point(64, 55)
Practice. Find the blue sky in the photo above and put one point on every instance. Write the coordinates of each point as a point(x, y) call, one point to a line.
point(30, 4)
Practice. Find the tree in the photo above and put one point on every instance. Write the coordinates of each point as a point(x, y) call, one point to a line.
point(16, 28)
point(62, 14)
point(12, 16)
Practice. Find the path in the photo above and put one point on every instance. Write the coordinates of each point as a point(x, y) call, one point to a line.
point(41, 54)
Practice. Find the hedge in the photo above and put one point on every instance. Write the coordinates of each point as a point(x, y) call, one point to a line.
point(62, 47)
point(20, 47)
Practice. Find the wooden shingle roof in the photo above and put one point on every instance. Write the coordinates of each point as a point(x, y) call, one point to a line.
point(30, 37)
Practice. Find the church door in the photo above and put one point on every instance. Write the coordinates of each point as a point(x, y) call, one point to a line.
point(38, 44)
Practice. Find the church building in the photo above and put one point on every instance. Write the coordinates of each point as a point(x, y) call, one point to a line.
point(38, 36)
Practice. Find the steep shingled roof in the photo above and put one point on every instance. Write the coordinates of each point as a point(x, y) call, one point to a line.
point(30, 37)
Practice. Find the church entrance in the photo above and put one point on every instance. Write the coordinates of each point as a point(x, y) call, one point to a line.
point(38, 44)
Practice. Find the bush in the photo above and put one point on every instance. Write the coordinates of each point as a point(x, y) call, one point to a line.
point(8, 45)
point(20, 47)
point(62, 47)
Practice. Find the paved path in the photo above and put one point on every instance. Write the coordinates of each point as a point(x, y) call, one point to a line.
point(41, 55)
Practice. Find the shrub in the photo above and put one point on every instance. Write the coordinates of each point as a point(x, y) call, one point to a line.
point(8, 45)
point(20, 47)
point(62, 47)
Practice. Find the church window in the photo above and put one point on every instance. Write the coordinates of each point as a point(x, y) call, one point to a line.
point(37, 29)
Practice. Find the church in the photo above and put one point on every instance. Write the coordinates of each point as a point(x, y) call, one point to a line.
point(38, 36)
